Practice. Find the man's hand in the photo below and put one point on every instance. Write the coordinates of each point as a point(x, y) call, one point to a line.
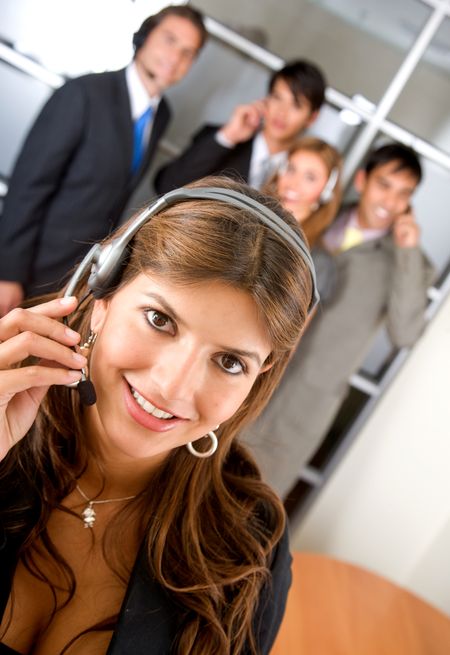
point(244, 122)
point(406, 231)
point(11, 295)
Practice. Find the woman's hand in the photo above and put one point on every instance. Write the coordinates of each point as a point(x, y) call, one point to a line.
point(34, 332)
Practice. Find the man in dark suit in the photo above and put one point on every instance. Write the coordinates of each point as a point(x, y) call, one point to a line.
point(85, 154)
point(254, 142)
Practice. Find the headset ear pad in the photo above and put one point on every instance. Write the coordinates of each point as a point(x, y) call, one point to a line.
point(107, 267)
point(325, 196)
point(138, 41)
point(327, 192)
point(143, 32)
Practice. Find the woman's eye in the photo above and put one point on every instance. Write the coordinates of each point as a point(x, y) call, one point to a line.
point(231, 364)
point(159, 320)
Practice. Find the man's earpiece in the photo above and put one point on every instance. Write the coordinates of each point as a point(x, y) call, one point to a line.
point(144, 30)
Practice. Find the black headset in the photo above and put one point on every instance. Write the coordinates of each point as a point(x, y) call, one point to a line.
point(106, 261)
point(147, 26)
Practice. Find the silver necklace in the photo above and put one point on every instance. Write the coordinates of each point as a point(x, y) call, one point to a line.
point(89, 515)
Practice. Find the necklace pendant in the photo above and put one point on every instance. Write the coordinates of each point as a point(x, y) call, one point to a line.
point(89, 516)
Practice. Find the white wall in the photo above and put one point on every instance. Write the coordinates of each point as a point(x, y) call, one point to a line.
point(387, 506)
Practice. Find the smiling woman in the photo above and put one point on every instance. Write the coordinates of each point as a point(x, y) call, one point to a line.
point(179, 359)
point(309, 185)
point(140, 518)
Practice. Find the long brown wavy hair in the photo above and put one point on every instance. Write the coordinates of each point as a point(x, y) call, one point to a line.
point(209, 525)
point(317, 222)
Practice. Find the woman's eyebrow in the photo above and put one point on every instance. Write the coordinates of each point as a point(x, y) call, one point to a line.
point(243, 353)
point(169, 310)
point(165, 305)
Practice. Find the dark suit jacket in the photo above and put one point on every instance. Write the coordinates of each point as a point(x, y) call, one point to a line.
point(72, 179)
point(204, 156)
point(149, 617)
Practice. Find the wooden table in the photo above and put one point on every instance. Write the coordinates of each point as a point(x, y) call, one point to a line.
point(335, 608)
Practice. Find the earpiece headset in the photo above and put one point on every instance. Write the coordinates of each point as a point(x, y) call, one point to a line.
point(327, 191)
point(143, 32)
point(106, 261)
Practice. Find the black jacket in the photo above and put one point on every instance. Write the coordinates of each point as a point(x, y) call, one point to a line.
point(149, 617)
point(204, 156)
point(72, 179)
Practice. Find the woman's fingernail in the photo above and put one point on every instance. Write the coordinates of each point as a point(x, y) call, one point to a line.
point(79, 358)
point(73, 376)
point(67, 300)
point(71, 333)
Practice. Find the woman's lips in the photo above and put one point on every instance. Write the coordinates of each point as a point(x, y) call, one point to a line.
point(146, 420)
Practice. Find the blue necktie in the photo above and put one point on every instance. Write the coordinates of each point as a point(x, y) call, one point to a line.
point(138, 143)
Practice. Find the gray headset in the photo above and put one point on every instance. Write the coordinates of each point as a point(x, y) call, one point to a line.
point(327, 191)
point(105, 261)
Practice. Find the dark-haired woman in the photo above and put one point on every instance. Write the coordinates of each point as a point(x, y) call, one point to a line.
point(140, 524)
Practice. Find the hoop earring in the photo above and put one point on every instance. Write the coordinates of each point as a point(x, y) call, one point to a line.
point(207, 453)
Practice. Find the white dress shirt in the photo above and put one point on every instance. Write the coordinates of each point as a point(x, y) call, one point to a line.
point(140, 101)
point(262, 164)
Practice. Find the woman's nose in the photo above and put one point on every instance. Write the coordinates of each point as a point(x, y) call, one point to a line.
point(178, 374)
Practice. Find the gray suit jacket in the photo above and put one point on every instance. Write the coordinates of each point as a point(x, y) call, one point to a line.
point(376, 282)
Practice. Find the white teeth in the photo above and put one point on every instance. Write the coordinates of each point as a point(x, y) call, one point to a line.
point(148, 407)
point(381, 213)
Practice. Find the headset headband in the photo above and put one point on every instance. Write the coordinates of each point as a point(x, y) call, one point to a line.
point(105, 262)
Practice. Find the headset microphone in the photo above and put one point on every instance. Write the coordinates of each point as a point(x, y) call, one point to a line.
point(86, 390)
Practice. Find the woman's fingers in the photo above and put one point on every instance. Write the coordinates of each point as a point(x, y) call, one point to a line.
point(41, 319)
point(37, 332)
point(27, 344)
point(21, 379)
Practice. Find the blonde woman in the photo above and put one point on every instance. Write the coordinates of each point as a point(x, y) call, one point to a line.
point(309, 185)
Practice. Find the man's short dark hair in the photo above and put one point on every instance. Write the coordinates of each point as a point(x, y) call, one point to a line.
point(182, 11)
point(405, 157)
point(304, 79)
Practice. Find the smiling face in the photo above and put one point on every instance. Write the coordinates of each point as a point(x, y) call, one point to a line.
point(167, 53)
point(286, 116)
point(171, 363)
point(300, 185)
point(385, 194)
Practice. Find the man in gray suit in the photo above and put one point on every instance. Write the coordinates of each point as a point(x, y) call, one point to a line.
point(86, 153)
point(381, 275)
